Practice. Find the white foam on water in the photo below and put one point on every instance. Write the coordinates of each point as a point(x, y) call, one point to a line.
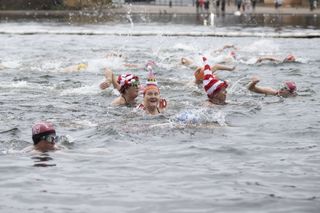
point(85, 90)
point(22, 85)
point(263, 47)
point(200, 117)
point(11, 64)
point(181, 46)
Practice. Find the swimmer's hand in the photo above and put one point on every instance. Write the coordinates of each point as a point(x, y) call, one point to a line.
point(255, 80)
point(104, 85)
point(163, 103)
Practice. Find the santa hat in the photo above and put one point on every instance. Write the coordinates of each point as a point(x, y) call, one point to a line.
point(127, 80)
point(149, 65)
point(211, 83)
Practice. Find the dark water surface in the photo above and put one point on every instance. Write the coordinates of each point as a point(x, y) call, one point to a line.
point(256, 154)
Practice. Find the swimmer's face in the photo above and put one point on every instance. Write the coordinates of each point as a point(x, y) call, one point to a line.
point(133, 91)
point(47, 143)
point(290, 58)
point(286, 93)
point(221, 95)
point(152, 97)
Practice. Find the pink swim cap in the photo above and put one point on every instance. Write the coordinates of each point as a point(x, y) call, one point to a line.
point(290, 85)
point(290, 58)
point(41, 129)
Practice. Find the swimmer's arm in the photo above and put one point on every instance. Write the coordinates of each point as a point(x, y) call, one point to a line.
point(268, 58)
point(109, 79)
point(217, 67)
point(261, 90)
point(117, 101)
point(131, 65)
point(228, 46)
point(186, 61)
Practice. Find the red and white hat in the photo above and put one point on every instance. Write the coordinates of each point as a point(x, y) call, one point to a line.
point(211, 83)
point(127, 80)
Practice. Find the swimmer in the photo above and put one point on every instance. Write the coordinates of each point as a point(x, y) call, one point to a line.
point(44, 137)
point(112, 55)
point(152, 103)
point(127, 84)
point(198, 74)
point(214, 87)
point(228, 46)
point(76, 68)
point(288, 89)
point(287, 59)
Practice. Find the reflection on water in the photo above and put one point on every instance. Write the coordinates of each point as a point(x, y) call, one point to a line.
point(42, 160)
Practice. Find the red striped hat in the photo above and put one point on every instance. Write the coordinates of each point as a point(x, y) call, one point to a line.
point(127, 80)
point(211, 83)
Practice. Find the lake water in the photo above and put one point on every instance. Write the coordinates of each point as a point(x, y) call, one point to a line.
point(256, 154)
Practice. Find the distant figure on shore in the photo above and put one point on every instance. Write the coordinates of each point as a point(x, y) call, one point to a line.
point(127, 84)
point(253, 3)
point(288, 89)
point(197, 6)
point(277, 3)
point(207, 6)
point(239, 3)
point(313, 4)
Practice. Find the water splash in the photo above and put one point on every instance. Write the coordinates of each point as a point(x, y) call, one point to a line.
point(129, 15)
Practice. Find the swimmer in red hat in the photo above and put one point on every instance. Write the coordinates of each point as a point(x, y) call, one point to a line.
point(44, 137)
point(288, 89)
point(199, 71)
point(214, 87)
point(128, 85)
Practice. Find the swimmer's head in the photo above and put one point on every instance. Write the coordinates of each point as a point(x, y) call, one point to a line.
point(288, 88)
point(40, 130)
point(82, 66)
point(126, 81)
point(214, 87)
point(199, 74)
point(289, 58)
point(233, 54)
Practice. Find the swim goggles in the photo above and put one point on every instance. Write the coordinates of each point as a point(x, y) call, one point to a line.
point(135, 83)
point(50, 138)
